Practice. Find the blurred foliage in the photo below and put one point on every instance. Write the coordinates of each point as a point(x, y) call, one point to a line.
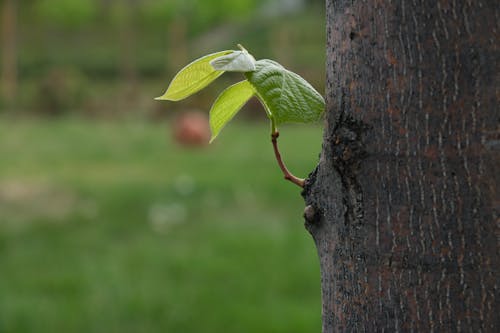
point(136, 46)
point(59, 90)
point(66, 13)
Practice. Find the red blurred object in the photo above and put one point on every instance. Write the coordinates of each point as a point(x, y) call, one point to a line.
point(192, 129)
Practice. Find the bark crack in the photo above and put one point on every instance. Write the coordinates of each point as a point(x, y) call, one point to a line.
point(348, 151)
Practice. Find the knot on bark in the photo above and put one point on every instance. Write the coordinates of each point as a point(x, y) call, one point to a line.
point(348, 148)
point(310, 214)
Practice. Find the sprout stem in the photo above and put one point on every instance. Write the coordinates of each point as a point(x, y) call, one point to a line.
point(297, 181)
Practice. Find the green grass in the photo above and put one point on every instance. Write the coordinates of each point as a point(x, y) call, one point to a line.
point(110, 227)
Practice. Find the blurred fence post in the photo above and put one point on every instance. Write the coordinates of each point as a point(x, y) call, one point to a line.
point(177, 44)
point(9, 51)
point(128, 48)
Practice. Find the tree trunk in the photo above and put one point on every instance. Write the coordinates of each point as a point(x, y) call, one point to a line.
point(403, 206)
point(9, 51)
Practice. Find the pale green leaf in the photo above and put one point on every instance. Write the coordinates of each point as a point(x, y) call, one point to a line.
point(286, 95)
point(238, 61)
point(229, 102)
point(192, 78)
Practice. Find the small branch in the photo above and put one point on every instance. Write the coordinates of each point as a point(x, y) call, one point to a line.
point(297, 181)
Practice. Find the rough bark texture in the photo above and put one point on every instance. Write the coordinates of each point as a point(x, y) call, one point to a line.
point(403, 205)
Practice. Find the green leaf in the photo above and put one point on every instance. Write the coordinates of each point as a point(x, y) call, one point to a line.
point(229, 102)
point(192, 78)
point(286, 95)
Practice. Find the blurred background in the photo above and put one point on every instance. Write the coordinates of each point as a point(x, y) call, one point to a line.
point(112, 218)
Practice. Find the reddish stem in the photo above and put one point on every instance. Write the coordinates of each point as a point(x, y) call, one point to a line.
point(286, 173)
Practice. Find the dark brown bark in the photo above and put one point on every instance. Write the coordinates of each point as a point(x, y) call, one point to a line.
point(9, 50)
point(403, 206)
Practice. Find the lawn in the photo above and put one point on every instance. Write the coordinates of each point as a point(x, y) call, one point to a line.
point(111, 227)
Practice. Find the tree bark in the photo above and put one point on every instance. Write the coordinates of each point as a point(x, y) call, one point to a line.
point(403, 205)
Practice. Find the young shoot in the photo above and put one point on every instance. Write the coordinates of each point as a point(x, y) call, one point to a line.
point(284, 95)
